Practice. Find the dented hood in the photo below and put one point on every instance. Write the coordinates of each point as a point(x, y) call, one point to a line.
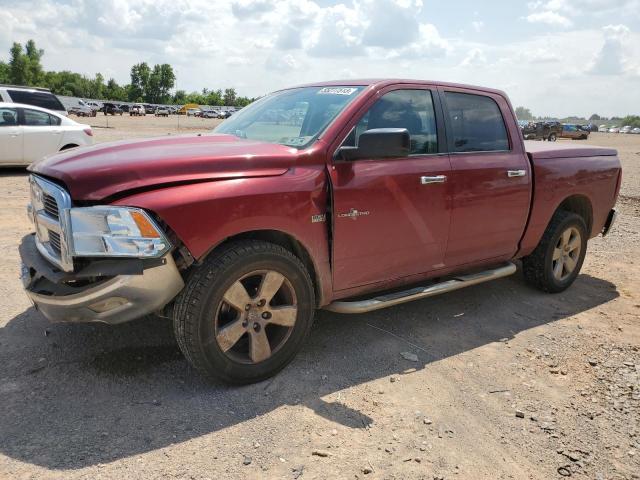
point(108, 169)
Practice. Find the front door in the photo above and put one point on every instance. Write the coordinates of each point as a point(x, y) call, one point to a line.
point(10, 137)
point(391, 216)
point(490, 178)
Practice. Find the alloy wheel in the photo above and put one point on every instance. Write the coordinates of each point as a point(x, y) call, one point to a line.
point(566, 253)
point(256, 316)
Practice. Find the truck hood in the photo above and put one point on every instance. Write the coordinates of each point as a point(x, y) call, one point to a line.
point(107, 169)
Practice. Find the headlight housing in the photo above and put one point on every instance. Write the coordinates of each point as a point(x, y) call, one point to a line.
point(107, 231)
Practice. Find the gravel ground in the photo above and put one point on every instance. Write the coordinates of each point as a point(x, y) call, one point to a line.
point(508, 382)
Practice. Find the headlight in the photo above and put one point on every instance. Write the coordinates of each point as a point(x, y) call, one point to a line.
point(115, 232)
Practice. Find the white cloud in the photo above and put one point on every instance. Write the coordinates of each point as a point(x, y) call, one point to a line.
point(609, 60)
point(549, 17)
point(477, 25)
point(474, 58)
point(262, 45)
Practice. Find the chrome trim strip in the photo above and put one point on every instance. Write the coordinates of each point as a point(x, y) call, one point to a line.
point(397, 298)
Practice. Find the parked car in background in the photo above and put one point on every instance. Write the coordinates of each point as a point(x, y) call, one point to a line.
point(28, 133)
point(240, 235)
point(636, 130)
point(38, 97)
point(111, 109)
point(542, 131)
point(125, 108)
point(210, 114)
point(82, 110)
point(193, 112)
point(137, 109)
point(614, 130)
point(162, 112)
point(149, 108)
point(626, 129)
point(224, 114)
point(574, 132)
point(603, 128)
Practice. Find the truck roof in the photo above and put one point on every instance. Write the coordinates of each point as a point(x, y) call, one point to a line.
point(383, 82)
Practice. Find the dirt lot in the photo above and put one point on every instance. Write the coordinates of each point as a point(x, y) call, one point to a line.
point(509, 382)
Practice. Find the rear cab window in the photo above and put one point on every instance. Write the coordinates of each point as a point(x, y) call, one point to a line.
point(38, 99)
point(475, 123)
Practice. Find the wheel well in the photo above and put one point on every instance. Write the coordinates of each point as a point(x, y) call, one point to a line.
point(579, 205)
point(68, 146)
point(285, 241)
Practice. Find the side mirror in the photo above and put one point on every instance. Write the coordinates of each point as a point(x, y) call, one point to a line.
point(379, 143)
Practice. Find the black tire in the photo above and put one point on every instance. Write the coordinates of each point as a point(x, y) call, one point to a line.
point(553, 137)
point(538, 266)
point(196, 310)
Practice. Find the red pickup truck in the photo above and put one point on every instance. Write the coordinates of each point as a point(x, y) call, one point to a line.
point(349, 196)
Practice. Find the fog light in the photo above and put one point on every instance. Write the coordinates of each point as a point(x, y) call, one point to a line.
point(108, 304)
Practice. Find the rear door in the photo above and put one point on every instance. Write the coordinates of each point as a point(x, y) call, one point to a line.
point(42, 134)
point(10, 137)
point(391, 216)
point(490, 178)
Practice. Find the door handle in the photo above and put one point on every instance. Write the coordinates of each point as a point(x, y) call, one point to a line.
point(436, 179)
point(516, 173)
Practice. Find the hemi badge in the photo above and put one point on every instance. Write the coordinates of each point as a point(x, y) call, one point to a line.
point(318, 218)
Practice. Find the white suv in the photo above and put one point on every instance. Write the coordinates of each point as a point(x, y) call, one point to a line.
point(29, 133)
point(38, 97)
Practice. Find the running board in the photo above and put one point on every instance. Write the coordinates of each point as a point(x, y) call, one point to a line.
point(456, 283)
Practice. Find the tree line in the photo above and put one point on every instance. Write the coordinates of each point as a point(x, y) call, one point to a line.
point(523, 113)
point(148, 84)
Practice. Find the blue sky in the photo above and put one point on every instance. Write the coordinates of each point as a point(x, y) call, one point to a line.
point(557, 57)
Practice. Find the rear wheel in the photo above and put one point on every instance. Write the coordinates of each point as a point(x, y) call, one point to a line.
point(556, 262)
point(245, 313)
point(553, 137)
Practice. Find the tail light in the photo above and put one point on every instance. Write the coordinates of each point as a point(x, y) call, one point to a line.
point(88, 131)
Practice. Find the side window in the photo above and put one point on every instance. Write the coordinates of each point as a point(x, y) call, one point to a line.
point(410, 109)
point(476, 123)
point(37, 99)
point(8, 117)
point(35, 118)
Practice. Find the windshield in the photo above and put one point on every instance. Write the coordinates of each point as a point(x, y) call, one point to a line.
point(291, 117)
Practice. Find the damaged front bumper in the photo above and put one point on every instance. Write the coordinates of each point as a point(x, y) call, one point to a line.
point(108, 291)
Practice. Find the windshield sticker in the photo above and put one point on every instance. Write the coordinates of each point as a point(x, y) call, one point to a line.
point(294, 141)
point(337, 91)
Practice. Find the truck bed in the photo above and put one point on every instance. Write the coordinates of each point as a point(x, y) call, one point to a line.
point(542, 150)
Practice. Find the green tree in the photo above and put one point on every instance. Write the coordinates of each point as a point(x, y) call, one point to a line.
point(229, 98)
point(140, 74)
point(166, 81)
point(180, 97)
point(595, 117)
point(523, 113)
point(18, 66)
point(631, 120)
point(113, 91)
point(34, 67)
point(5, 72)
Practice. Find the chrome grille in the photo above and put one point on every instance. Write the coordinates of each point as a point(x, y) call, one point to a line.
point(54, 241)
point(49, 211)
point(50, 205)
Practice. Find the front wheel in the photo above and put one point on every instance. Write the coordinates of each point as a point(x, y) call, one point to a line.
point(244, 314)
point(553, 137)
point(556, 262)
